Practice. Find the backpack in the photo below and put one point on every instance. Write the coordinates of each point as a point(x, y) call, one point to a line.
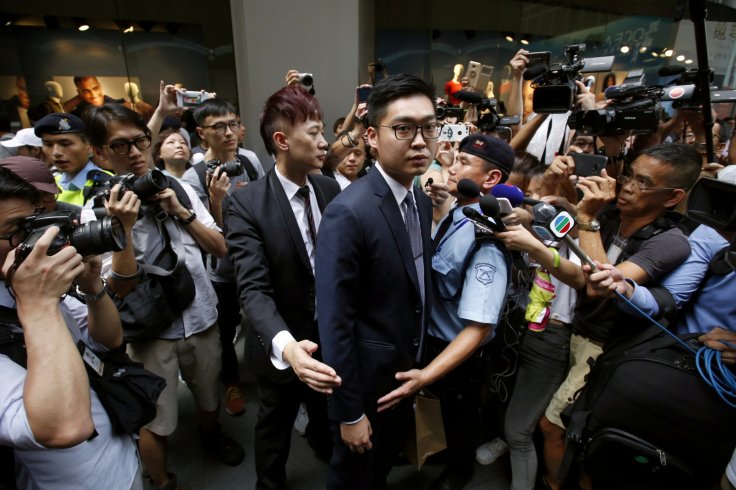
point(647, 420)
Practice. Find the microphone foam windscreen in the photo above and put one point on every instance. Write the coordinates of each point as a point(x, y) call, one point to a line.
point(468, 188)
point(510, 192)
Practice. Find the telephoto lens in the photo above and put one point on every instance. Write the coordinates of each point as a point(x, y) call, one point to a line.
point(97, 237)
point(150, 184)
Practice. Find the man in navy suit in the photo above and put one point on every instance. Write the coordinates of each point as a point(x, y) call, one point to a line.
point(271, 226)
point(373, 268)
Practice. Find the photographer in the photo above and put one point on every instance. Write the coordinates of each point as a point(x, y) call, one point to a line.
point(49, 405)
point(172, 220)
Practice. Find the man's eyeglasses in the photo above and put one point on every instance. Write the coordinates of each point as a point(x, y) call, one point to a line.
point(221, 127)
point(430, 131)
point(641, 186)
point(123, 147)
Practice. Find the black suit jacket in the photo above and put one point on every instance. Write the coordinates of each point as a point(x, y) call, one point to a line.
point(371, 317)
point(272, 270)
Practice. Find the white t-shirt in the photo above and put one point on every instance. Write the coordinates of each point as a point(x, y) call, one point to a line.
point(108, 461)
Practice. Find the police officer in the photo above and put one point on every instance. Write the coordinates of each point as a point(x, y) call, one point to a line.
point(469, 274)
point(66, 147)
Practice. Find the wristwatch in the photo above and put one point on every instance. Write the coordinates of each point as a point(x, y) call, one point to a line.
point(593, 225)
point(93, 297)
point(186, 221)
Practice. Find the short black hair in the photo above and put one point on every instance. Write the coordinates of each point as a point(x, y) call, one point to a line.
point(685, 161)
point(4, 123)
point(96, 120)
point(12, 186)
point(212, 107)
point(396, 87)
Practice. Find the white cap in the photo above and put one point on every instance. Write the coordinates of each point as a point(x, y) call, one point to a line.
point(24, 137)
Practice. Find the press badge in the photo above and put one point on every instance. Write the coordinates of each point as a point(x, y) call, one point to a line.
point(614, 251)
point(90, 358)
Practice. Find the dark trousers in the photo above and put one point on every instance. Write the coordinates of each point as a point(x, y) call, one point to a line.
point(349, 470)
point(459, 395)
point(277, 408)
point(228, 318)
point(543, 360)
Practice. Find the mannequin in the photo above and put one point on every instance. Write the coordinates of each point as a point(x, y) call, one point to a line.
point(134, 101)
point(454, 85)
point(52, 104)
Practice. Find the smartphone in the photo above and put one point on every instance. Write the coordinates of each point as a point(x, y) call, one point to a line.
point(479, 75)
point(538, 58)
point(192, 98)
point(587, 165)
point(364, 93)
point(453, 132)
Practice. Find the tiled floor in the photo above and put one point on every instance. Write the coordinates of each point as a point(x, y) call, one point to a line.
point(197, 471)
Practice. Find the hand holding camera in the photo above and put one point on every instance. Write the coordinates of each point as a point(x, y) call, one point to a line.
point(41, 277)
point(170, 204)
point(218, 179)
point(125, 206)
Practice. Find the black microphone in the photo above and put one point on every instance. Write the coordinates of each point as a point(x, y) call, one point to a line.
point(534, 72)
point(668, 71)
point(490, 207)
point(468, 96)
point(468, 188)
point(481, 221)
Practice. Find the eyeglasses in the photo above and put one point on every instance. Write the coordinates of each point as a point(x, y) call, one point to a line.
point(641, 186)
point(123, 147)
point(430, 131)
point(221, 127)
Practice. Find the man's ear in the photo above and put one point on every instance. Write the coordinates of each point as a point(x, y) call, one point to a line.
point(99, 153)
point(280, 141)
point(372, 136)
point(200, 133)
point(493, 178)
point(675, 198)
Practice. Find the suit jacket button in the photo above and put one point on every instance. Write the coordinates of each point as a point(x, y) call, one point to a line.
point(415, 342)
point(418, 309)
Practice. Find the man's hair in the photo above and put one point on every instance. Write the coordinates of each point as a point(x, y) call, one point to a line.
point(13, 186)
point(338, 124)
point(392, 88)
point(212, 107)
point(685, 161)
point(96, 120)
point(284, 109)
point(77, 80)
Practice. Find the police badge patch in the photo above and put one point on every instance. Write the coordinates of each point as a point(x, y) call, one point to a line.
point(484, 273)
point(64, 124)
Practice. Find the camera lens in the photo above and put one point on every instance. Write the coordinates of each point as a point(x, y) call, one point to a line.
point(96, 237)
point(232, 169)
point(150, 184)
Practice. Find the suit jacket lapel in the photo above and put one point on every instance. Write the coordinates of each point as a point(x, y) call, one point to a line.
point(321, 201)
point(284, 208)
point(391, 212)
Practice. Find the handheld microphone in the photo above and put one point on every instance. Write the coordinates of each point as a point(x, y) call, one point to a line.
point(468, 188)
point(491, 208)
point(560, 227)
point(513, 194)
point(480, 221)
point(589, 81)
point(534, 72)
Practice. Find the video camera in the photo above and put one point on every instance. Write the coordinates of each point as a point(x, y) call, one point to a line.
point(491, 119)
point(713, 203)
point(145, 186)
point(554, 84)
point(93, 238)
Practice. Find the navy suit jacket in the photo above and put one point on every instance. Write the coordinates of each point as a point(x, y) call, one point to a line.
point(371, 316)
point(273, 274)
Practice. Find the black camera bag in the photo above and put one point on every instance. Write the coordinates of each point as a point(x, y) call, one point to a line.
point(127, 390)
point(647, 420)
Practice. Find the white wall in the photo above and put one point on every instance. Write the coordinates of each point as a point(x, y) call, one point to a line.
point(316, 36)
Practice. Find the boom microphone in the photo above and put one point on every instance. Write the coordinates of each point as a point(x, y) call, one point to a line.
point(668, 71)
point(534, 72)
point(468, 96)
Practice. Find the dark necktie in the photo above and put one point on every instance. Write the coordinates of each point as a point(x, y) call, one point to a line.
point(304, 194)
point(415, 239)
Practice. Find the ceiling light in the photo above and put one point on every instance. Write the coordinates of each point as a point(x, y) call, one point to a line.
point(643, 49)
point(124, 25)
point(81, 24)
point(509, 37)
point(680, 57)
point(688, 62)
point(525, 39)
point(654, 53)
point(624, 49)
point(668, 52)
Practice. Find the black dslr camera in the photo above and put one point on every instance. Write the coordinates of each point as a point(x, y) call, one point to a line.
point(93, 238)
point(145, 187)
point(490, 119)
point(231, 169)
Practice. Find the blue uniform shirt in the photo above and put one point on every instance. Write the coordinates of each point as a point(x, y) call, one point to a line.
point(713, 305)
point(484, 285)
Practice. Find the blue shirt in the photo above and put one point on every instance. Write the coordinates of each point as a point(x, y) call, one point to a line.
point(483, 282)
point(77, 182)
point(703, 306)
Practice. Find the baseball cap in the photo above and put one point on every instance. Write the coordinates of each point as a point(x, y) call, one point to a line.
point(33, 171)
point(58, 123)
point(491, 149)
point(24, 137)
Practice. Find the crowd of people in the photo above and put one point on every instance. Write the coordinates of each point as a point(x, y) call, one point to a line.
point(364, 271)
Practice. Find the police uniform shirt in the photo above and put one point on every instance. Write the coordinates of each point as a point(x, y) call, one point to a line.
point(483, 287)
point(72, 188)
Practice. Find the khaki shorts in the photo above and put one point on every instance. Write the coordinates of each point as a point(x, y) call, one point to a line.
point(198, 360)
point(583, 354)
